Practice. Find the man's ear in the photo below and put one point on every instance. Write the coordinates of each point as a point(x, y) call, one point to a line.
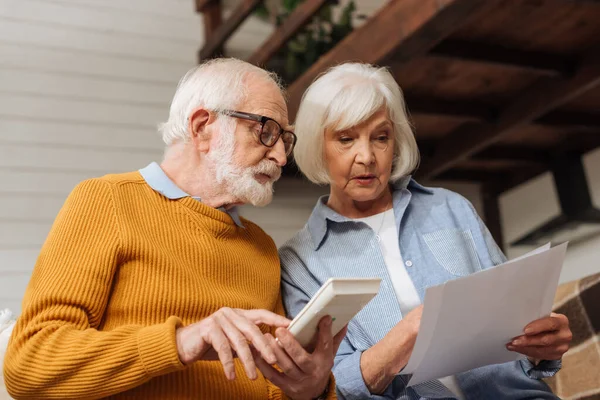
point(201, 127)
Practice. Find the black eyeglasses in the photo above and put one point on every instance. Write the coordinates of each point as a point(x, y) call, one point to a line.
point(270, 130)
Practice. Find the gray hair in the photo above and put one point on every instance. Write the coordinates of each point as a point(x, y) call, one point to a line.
point(215, 85)
point(341, 98)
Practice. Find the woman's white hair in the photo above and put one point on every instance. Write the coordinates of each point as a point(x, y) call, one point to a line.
point(342, 98)
point(215, 85)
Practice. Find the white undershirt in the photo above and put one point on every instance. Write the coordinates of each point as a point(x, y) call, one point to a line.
point(384, 226)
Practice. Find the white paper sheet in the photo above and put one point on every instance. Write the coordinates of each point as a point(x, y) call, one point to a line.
point(467, 322)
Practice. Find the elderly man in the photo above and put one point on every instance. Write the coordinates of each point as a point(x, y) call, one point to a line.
point(148, 279)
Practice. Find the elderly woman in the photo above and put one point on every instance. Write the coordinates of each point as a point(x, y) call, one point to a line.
point(353, 134)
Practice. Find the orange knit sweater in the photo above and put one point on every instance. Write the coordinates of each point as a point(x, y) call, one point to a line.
point(121, 269)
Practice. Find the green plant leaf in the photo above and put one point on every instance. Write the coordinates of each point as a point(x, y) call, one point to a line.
point(346, 16)
point(325, 13)
point(290, 5)
point(262, 12)
point(291, 66)
point(311, 50)
point(312, 41)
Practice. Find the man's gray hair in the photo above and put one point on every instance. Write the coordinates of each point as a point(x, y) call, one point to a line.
point(217, 85)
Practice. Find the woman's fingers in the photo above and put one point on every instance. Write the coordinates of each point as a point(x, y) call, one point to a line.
point(552, 323)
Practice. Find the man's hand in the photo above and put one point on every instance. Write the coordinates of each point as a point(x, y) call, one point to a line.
point(303, 375)
point(227, 333)
point(545, 339)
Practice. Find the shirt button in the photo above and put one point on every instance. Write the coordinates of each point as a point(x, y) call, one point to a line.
point(408, 263)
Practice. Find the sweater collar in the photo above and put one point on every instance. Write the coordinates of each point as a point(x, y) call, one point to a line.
point(156, 178)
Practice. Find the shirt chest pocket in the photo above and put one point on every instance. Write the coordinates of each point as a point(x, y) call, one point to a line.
point(454, 250)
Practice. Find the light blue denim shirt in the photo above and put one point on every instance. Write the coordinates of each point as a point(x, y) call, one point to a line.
point(441, 237)
point(156, 178)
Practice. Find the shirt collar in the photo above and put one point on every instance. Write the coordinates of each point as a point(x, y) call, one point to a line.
point(318, 220)
point(156, 178)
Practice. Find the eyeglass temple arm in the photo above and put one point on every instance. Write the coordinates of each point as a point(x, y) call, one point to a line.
point(252, 117)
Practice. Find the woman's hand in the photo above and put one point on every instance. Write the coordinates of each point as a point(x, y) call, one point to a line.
point(380, 364)
point(545, 339)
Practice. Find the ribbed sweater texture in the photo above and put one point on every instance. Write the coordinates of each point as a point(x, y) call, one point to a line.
point(121, 269)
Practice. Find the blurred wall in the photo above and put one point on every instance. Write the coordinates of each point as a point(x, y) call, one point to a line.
point(83, 84)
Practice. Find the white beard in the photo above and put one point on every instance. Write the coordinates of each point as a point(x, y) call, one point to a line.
point(239, 182)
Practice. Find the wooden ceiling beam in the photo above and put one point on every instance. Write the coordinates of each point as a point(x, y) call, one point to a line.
point(597, 2)
point(485, 112)
point(217, 38)
point(498, 152)
point(510, 154)
point(517, 178)
point(212, 18)
point(571, 119)
point(201, 5)
point(399, 31)
point(296, 21)
point(517, 154)
point(492, 215)
point(537, 101)
point(472, 175)
point(542, 63)
point(579, 144)
point(478, 111)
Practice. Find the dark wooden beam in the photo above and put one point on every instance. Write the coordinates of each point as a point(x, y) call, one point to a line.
point(575, 143)
point(473, 176)
point(212, 18)
point(400, 30)
point(485, 112)
point(542, 63)
point(296, 21)
point(574, 119)
point(578, 142)
point(517, 154)
point(516, 179)
point(478, 111)
point(538, 100)
point(437, 29)
point(217, 38)
point(201, 5)
point(491, 214)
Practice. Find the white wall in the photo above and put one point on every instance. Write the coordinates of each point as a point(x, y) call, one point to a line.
point(292, 204)
point(83, 84)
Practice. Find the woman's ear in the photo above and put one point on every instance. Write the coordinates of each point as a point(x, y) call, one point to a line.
point(201, 127)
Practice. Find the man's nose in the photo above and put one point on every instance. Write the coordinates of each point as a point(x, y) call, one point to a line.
point(277, 153)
